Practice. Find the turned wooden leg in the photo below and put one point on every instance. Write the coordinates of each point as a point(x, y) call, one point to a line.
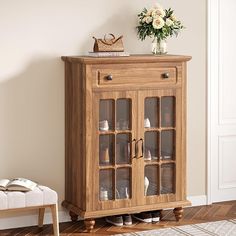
point(178, 211)
point(89, 224)
point(73, 216)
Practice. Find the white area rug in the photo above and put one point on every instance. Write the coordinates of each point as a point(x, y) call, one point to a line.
point(216, 228)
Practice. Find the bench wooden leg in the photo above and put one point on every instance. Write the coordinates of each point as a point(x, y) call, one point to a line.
point(54, 211)
point(41, 217)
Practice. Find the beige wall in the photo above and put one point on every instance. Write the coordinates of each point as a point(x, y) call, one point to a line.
point(34, 34)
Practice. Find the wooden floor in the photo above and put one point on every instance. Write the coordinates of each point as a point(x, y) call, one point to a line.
point(192, 215)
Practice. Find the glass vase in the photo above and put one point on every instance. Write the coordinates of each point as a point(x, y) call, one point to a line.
point(159, 47)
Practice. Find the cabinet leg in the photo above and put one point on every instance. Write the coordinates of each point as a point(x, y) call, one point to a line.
point(178, 211)
point(73, 216)
point(89, 224)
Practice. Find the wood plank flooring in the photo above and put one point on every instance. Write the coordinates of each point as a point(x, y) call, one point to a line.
point(192, 215)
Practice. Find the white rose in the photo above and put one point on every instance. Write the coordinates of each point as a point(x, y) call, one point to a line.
point(173, 17)
point(169, 22)
point(158, 22)
point(158, 12)
point(148, 19)
point(149, 12)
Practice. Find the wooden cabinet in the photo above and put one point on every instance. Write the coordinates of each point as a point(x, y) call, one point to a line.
point(125, 135)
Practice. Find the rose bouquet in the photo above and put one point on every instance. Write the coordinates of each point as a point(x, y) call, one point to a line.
point(158, 23)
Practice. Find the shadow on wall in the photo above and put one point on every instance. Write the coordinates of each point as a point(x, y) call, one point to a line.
point(32, 123)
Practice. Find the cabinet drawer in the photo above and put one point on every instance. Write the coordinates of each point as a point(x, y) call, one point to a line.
point(121, 76)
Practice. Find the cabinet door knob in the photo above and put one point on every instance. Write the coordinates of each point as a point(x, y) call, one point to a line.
point(109, 77)
point(165, 75)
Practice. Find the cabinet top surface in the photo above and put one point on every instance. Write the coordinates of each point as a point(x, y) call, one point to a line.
point(147, 58)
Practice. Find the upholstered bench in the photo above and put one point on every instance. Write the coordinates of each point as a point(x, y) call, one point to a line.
point(39, 198)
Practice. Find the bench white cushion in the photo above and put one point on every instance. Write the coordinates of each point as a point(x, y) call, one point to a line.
point(3, 201)
point(41, 195)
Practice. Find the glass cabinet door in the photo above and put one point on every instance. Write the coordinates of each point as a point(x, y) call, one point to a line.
point(115, 148)
point(137, 140)
point(159, 128)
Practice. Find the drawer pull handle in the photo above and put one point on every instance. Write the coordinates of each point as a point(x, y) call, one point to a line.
point(109, 77)
point(165, 75)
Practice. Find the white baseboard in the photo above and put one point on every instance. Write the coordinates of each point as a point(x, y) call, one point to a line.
point(31, 220)
point(198, 200)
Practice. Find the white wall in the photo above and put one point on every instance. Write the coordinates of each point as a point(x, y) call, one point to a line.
point(33, 36)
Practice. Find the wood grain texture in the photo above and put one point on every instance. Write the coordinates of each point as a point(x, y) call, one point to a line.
point(74, 135)
point(134, 78)
point(131, 59)
point(94, 192)
point(141, 76)
point(130, 75)
point(184, 127)
point(192, 215)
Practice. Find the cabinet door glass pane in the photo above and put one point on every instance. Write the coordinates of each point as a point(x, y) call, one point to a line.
point(106, 149)
point(168, 111)
point(123, 148)
point(151, 112)
point(167, 178)
point(123, 183)
point(151, 180)
point(123, 110)
point(106, 115)
point(151, 146)
point(106, 184)
point(167, 144)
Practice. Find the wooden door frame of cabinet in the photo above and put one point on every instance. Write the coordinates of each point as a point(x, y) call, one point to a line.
point(94, 203)
point(179, 158)
point(119, 211)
